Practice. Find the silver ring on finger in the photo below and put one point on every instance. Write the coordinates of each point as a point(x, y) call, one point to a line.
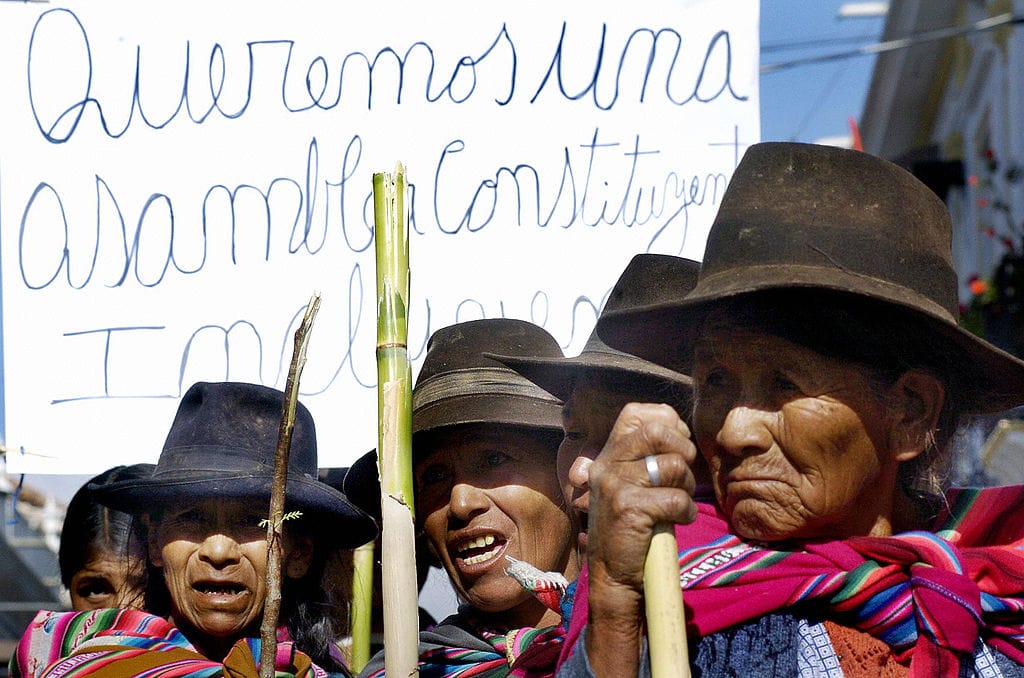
point(653, 472)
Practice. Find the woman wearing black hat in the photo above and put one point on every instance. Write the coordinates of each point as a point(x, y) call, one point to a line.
point(484, 446)
point(829, 375)
point(202, 508)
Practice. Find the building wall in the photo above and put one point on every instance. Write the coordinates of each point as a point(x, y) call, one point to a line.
point(962, 97)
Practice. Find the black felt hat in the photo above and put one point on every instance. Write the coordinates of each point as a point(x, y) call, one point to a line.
point(849, 227)
point(221, 444)
point(646, 280)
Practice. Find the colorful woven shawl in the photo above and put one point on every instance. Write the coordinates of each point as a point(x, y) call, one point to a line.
point(930, 596)
point(119, 643)
point(449, 650)
point(527, 653)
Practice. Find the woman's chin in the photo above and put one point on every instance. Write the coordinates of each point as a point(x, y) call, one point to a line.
point(753, 520)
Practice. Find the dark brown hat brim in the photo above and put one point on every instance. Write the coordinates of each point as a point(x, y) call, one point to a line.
point(557, 375)
point(665, 333)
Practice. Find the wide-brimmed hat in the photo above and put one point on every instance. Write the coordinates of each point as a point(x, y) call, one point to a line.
point(458, 384)
point(841, 223)
point(221, 444)
point(647, 279)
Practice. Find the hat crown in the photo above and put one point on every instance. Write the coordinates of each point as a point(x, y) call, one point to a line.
point(459, 384)
point(234, 426)
point(858, 214)
point(462, 346)
point(652, 279)
point(648, 279)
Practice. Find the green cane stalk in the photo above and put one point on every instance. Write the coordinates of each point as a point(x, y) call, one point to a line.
point(362, 606)
point(394, 414)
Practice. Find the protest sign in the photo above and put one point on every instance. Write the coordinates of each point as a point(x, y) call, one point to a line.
point(177, 179)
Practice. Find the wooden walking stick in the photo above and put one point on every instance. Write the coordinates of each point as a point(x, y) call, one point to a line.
point(394, 437)
point(275, 523)
point(663, 605)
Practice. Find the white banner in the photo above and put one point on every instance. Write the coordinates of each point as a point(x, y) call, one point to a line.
point(177, 179)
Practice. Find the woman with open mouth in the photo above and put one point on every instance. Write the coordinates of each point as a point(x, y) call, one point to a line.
point(203, 509)
point(484, 446)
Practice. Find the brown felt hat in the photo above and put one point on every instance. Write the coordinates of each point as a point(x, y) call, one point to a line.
point(846, 224)
point(647, 279)
point(458, 384)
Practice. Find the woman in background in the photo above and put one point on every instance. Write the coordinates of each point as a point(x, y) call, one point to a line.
point(600, 381)
point(102, 563)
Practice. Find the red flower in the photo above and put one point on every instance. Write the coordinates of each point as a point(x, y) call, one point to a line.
point(978, 286)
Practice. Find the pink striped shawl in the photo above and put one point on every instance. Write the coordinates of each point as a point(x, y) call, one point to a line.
point(929, 595)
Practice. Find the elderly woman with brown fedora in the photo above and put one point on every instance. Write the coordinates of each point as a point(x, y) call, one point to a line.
point(202, 509)
point(596, 384)
point(829, 375)
point(484, 446)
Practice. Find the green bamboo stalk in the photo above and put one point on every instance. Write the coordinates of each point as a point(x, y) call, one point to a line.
point(394, 438)
point(275, 523)
point(362, 606)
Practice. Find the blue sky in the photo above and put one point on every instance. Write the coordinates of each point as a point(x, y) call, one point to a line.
point(810, 102)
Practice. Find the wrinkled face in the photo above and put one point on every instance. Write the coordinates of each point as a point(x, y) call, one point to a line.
point(214, 556)
point(796, 442)
point(107, 580)
point(484, 492)
point(587, 419)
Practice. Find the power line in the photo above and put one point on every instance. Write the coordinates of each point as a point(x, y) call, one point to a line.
point(902, 43)
point(803, 44)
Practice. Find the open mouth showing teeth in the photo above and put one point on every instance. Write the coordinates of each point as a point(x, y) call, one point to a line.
point(217, 589)
point(479, 549)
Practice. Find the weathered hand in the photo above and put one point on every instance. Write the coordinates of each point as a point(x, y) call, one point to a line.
point(624, 508)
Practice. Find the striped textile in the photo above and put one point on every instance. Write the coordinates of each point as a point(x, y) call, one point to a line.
point(929, 595)
point(125, 643)
point(522, 653)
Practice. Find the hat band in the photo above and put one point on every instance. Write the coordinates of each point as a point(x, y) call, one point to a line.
point(214, 459)
point(489, 381)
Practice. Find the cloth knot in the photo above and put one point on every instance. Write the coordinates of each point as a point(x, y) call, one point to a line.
point(945, 604)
